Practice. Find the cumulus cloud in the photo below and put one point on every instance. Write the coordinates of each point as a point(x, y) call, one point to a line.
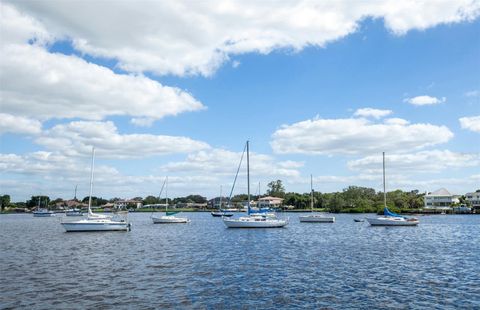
point(185, 37)
point(18, 124)
point(77, 138)
point(353, 136)
point(39, 84)
point(472, 93)
point(420, 162)
point(224, 162)
point(424, 100)
point(370, 112)
point(471, 123)
point(51, 165)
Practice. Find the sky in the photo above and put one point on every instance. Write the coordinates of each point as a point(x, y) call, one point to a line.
point(176, 88)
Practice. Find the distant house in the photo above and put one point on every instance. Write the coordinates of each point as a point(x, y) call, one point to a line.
point(269, 202)
point(440, 199)
point(70, 204)
point(125, 204)
point(474, 199)
point(215, 202)
point(191, 205)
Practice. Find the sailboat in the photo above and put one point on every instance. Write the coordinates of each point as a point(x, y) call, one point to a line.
point(169, 217)
point(96, 222)
point(221, 212)
point(253, 220)
point(315, 218)
point(41, 212)
point(74, 211)
point(390, 218)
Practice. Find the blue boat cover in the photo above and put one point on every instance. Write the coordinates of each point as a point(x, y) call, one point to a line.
point(263, 210)
point(387, 212)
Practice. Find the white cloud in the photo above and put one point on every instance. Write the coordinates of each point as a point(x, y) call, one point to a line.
point(77, 138)
point(142, 122)
point(42, 85)
point(355, 136)
point(472, 93)
point(185, 37)
point(424, 100)
point(421, 162)
point(224, 163)
point(39, 84)
point(18, 124)
point(51, 165)
point(471, 123)
point(396, 121)
point(370, 112)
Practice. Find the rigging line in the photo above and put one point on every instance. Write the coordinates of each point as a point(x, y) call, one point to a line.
point(160, 195)
point(236, 175)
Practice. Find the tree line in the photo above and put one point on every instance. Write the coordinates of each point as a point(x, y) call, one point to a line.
point(355, 199)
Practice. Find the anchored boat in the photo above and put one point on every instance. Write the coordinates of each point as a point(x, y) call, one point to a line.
point(97, 222)
point(253, 219)
point(169, 217)
point(390, 218)
point(315, 217)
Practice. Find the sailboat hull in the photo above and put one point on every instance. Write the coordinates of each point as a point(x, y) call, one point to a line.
point(314, 218)
point(220, 214)
point(386, 221)
point(169, 220)
point(251, 223)
point(43, 214)
point(86, 225)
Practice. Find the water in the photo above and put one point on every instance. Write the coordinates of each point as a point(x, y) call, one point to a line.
point(203, 265)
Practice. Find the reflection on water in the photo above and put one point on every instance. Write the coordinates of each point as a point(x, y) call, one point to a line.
point(205, 265)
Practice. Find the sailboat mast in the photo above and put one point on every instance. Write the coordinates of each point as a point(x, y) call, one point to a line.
point(384, 192)
point(91, 181)
point(248, 177)
point(311, 192)
point(220, 207)
point(166, 194)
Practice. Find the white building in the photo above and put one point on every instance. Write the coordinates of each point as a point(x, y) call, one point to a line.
point(474, 199)
point(440, 200)
point(269, 202)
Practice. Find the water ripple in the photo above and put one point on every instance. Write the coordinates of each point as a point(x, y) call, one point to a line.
point(203, 265)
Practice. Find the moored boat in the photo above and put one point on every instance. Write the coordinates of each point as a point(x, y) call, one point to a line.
point(315, 217)
point(97, 222)
point(74, 212)
point(42, 212)
point(389, 218)
point(253, 220)
point(169, 217)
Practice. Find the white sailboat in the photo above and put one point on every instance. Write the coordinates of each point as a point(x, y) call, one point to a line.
point(169, 217)
point(96, 222)
point(315, 217)
point(42, 212)
point(389, 218)
point(253, 220)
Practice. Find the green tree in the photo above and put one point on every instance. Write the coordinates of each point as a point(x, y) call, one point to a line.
point(150, 200)
point(4, 202)
point(34, 201)
point(276, 189)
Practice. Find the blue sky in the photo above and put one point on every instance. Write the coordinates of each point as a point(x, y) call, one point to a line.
point(313, 95)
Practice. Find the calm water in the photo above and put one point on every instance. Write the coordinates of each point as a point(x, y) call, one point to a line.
point(204, 265)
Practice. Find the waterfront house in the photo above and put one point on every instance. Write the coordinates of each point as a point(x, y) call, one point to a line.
point(127, 203)
point(269, 202)
point(473, 199)
point(440, 199)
